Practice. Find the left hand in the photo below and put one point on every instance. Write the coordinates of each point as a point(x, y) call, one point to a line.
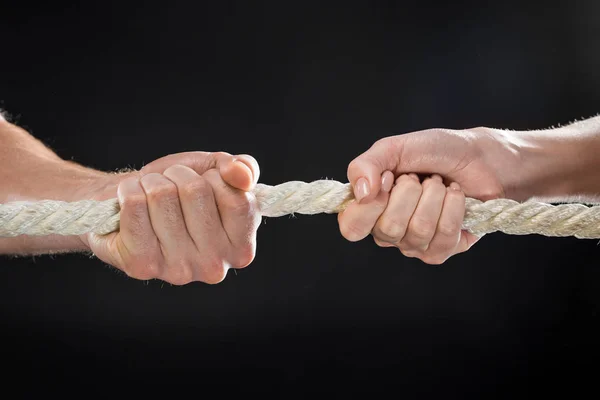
point(186, 217)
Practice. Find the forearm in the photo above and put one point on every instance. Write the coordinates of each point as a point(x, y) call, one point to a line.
point(561, 164)
point(30, 171)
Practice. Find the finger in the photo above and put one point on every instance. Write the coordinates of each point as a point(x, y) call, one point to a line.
point(366, 169)
point(203, 222)
point(448, 232)
point(241, 172)
point(199, 209)
point(357, 221)
point(423, 222)
point(135, 238)
point(240, 218)
point(411, 152)
point(199, 161)
point(392, 224)
point(166, 215)
point(381, 243)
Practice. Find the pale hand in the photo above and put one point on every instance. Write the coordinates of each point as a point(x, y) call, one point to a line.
point(423, 218)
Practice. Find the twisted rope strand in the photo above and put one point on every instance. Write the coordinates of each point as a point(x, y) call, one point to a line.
point(48, 217)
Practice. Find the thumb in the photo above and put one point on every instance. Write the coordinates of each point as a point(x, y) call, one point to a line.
point(366, 170)
point(422, 152)
point(241, 172)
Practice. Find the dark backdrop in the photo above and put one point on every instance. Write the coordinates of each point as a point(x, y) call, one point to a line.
point(303, 87)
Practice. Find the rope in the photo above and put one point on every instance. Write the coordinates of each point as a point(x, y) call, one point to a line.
point(322, 196)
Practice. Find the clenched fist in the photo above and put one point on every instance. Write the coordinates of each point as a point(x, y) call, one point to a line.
point(185, 217)
point(423, 217)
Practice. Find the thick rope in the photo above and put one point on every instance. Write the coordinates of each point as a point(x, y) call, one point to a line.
point(322, 196)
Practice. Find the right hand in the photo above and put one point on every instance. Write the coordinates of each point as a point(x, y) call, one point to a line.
point(483, 162)
point(185, 217)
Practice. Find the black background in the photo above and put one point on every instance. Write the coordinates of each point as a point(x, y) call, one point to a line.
point(303, 87)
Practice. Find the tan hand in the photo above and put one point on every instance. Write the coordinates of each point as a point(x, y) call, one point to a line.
point(186, 217)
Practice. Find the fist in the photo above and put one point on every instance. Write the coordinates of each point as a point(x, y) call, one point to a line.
point(421, 219)
point(424, 218)
point(186, 217)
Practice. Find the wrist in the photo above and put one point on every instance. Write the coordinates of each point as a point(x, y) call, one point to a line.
point(558, 164)
point(102, 188)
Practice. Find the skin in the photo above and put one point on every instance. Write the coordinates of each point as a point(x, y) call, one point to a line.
point(422, 217)
point(187, 217)
point(190, 217)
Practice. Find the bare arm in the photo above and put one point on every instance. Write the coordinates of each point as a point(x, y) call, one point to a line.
point(31, 171)
point(423, 218)
point(560, 164)
point(184, 217)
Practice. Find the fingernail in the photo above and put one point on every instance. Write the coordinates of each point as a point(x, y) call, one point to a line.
point(436, 177)
point(387, 180)
point(242, 164)
point(455, 186)
point(239, 162)
point(361, 189)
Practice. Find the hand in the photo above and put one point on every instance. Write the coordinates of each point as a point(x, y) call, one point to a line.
point(424, 219)
point(185, 217)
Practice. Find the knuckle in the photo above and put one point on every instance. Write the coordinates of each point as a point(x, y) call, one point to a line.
point(379, 143)
point(143, 271)
point(432, 183)
point(195, 189)
point(448, 229)
point(134, 202)
point(392, 228)
point(455, 193)
point(244, 256)
point(409, 184)
point(351, 231)
point(358, 166)
point(405, 179)
point(161, 190)
point(410, 253)
point(382, 143)
point(180, 275)
point(354, 164)
point(456, 198)
point(215, 273)
point(382, 243)
point(422, 229)
point(388, 148)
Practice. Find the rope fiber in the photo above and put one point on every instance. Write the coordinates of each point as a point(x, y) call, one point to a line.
point(47, 217)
